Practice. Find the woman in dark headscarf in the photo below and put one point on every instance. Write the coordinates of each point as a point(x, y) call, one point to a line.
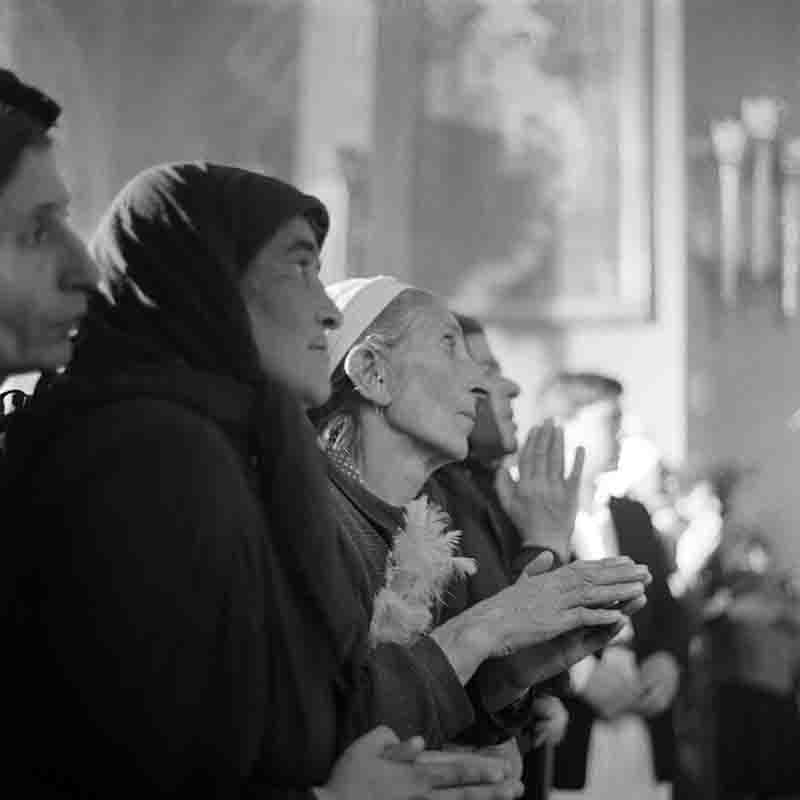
point(188, 628)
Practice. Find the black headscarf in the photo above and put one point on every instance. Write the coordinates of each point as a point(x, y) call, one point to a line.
point(170, 321)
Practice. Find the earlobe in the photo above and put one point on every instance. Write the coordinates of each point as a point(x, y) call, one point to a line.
point(366, 369)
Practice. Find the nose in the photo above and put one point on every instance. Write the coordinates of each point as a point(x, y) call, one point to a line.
point(512, 388)
point(477, 382)
point(328, 315)
point(78, 272)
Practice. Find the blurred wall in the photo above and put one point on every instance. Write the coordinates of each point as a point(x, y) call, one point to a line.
point(648, 357)
point(151, 81)
point(744, 365)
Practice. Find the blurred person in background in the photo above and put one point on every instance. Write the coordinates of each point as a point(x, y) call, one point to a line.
point(621, 737)
point(752, 619)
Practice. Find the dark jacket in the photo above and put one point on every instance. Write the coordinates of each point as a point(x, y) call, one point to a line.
point(413, 690)
point(466, 491)
point(660, 625)
point(140, 651)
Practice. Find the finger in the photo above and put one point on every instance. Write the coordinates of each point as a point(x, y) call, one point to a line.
point(632, 606)
point(604, 596)
point(555, 459)
point(526, 456)
point(595, 638)
point(377, 740)
point(405, 751)
point(541, 564)
point(541, 452)
point(460, 769)
point(582, 617)
point(574, 479)
point(607, 571)
point(508, 790)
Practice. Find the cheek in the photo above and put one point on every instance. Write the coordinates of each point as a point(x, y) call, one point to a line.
point(426, 391)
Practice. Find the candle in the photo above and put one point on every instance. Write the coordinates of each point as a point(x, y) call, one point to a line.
point(761, 116)
point(729, 141)
point(790, 228)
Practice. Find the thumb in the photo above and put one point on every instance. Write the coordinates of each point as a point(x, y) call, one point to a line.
point(542, 563)
point(377, 741)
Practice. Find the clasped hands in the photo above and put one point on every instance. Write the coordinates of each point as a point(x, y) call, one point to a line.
point(379, 766)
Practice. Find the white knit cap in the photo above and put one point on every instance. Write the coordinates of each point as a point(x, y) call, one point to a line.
point(360, 300)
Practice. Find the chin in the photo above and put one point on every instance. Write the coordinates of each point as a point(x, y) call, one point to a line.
point(315, 396)
point(458, 451)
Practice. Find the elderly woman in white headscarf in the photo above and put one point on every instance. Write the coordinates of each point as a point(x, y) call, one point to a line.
point(403, 404)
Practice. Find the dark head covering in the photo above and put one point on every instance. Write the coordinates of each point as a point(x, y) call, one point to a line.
point(171, 250)
point(171, 322)
point(26, 114)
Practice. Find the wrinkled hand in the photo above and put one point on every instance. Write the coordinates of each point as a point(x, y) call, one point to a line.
point(380, 767)
point(540, 607)
point(611, 691)
point(543, 503)
point(659, 677)
point(552, 725)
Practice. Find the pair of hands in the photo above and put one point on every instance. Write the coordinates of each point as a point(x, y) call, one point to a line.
point(552, 620)
point(542, 502)
point(378, 766)
point(647, 690)
point(542, 606)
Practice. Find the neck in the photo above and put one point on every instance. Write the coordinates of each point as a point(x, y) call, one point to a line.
point(396, 480)
point(486, 457)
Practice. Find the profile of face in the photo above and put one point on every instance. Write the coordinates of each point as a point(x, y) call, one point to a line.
point(290, 312)
point(433, 386)
point(46, 273)
point(495, 432)
point(597, 427)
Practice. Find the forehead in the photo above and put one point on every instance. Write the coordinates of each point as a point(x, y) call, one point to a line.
point(433, 318)
point(429, 321)
point(296, 233)
point(36, 183)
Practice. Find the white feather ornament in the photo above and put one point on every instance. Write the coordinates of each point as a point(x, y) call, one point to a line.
point(418, 568)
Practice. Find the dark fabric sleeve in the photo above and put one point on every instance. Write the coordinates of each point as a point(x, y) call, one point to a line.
point(152, 612)
point(571, 755)
point(413, 690)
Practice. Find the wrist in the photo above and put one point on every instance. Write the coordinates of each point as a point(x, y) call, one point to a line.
point(467, 641)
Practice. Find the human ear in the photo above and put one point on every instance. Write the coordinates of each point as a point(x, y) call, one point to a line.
point(367, 369)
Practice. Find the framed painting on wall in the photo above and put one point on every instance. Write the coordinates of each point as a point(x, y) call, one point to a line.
point(531, 157)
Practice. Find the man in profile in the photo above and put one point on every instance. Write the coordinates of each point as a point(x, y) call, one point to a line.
point(620, 739)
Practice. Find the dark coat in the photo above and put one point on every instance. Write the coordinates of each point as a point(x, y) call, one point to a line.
point(661, 625)
point(414, 690)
